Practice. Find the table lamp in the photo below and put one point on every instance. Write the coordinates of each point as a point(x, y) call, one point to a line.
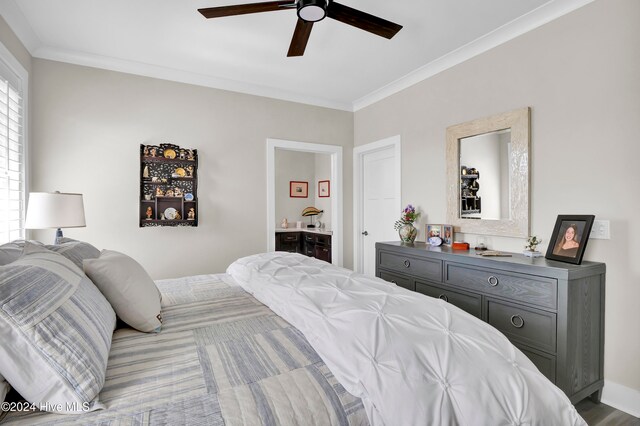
point(311, 211)
point(55, 210)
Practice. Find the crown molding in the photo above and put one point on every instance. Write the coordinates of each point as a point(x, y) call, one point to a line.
point(549, 11)
point(181, 76)
point(14, 17)
point(523, 24)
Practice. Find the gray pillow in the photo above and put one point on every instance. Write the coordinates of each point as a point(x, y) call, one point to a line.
point(75, 251)
point(59, 329)
point(127, 286)
point(10, 252)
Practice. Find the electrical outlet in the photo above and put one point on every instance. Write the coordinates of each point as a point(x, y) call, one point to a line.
point(600, 230)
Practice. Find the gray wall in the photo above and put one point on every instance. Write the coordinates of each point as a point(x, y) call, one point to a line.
point(305, 167)
point(14, 45)
point(579, 74)
point(88, 127)
point(323, 172)
point(298, 166)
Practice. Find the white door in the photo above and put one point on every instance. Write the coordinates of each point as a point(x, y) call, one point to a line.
point(380, 201)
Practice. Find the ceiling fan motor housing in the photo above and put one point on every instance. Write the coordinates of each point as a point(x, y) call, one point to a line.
point(312, 10)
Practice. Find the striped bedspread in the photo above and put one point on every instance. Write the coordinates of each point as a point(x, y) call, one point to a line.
point(222, 358)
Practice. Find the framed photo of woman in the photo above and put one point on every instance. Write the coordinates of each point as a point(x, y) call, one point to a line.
point(569, 238)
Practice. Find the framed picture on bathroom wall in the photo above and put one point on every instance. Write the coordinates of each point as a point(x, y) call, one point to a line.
point(324, 189)
point(298, 189)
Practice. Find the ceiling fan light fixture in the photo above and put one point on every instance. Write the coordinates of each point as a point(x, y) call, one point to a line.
point(312, 10)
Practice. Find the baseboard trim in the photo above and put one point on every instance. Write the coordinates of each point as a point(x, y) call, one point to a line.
point(621, 397)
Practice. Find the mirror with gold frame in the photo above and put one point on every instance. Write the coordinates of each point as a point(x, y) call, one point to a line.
point(502, 208)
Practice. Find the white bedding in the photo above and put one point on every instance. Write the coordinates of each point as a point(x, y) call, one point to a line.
point(414, 360)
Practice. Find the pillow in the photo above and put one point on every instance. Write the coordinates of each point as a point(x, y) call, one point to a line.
point(59, 328)
point(75, 251)
point(127, 286)
point(12, 251)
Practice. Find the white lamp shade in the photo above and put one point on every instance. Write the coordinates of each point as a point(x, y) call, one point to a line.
point(55, 210)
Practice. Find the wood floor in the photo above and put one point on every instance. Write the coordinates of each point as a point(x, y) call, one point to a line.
point(604, 415)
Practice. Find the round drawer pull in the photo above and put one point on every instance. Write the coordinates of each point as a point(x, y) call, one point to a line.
point(443, 297)
point(394, 282)
point(517, 321)
point(493, 281)
point(407, 263)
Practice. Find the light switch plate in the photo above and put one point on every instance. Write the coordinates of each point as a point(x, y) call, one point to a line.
point(600, 230)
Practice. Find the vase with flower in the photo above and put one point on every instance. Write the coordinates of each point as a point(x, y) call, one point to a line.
point(404, 225)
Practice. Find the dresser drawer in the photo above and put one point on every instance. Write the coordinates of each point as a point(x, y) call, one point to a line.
point(467, 302)
point(404, 282)
point(546, 363)
point(310, 238)
point(513, 286)
point(289, 237)
point(428, 269)
point(524, 325)
point(324, 240)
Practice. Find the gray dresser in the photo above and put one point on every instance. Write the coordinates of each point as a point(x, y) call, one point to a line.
point(552, 311)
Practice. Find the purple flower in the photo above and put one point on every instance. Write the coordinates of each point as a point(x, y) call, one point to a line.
point(408, 216)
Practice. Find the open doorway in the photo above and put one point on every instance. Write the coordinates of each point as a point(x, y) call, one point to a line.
point(334, 210)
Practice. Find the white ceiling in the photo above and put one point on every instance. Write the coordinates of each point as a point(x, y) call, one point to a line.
point(343, 67)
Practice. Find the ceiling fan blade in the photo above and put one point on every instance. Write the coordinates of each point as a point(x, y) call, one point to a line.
point(242, 9)
point(362, 20)
point(300, 38)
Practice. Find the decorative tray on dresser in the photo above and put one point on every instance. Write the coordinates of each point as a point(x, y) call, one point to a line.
point(552, 311)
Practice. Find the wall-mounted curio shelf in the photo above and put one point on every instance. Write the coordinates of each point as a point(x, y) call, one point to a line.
point(470, 202)
point(168, 186)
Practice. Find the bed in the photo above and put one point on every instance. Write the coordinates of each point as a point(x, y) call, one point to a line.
point(286, 339)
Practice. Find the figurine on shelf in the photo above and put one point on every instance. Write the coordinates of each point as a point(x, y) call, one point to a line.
point(284, 224)
point(530, 248)
point(149, 213)
point(191, 215)
point(532, 243)
point(190, 155)
point(177, 192)
point(183, 154)
point(178, 215)
point(153, 151)
point(169, 193)
point(159, 192)
point(145, 151)
point(145, 172)
point(163, 180)
point(190, 171)
point(162, 216)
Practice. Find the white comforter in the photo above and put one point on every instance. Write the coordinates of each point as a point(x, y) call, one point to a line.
point(414, 360)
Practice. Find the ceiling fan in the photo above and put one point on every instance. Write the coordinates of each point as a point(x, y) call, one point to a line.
point(310, 11)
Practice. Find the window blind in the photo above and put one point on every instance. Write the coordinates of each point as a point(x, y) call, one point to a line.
point(12, 158)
